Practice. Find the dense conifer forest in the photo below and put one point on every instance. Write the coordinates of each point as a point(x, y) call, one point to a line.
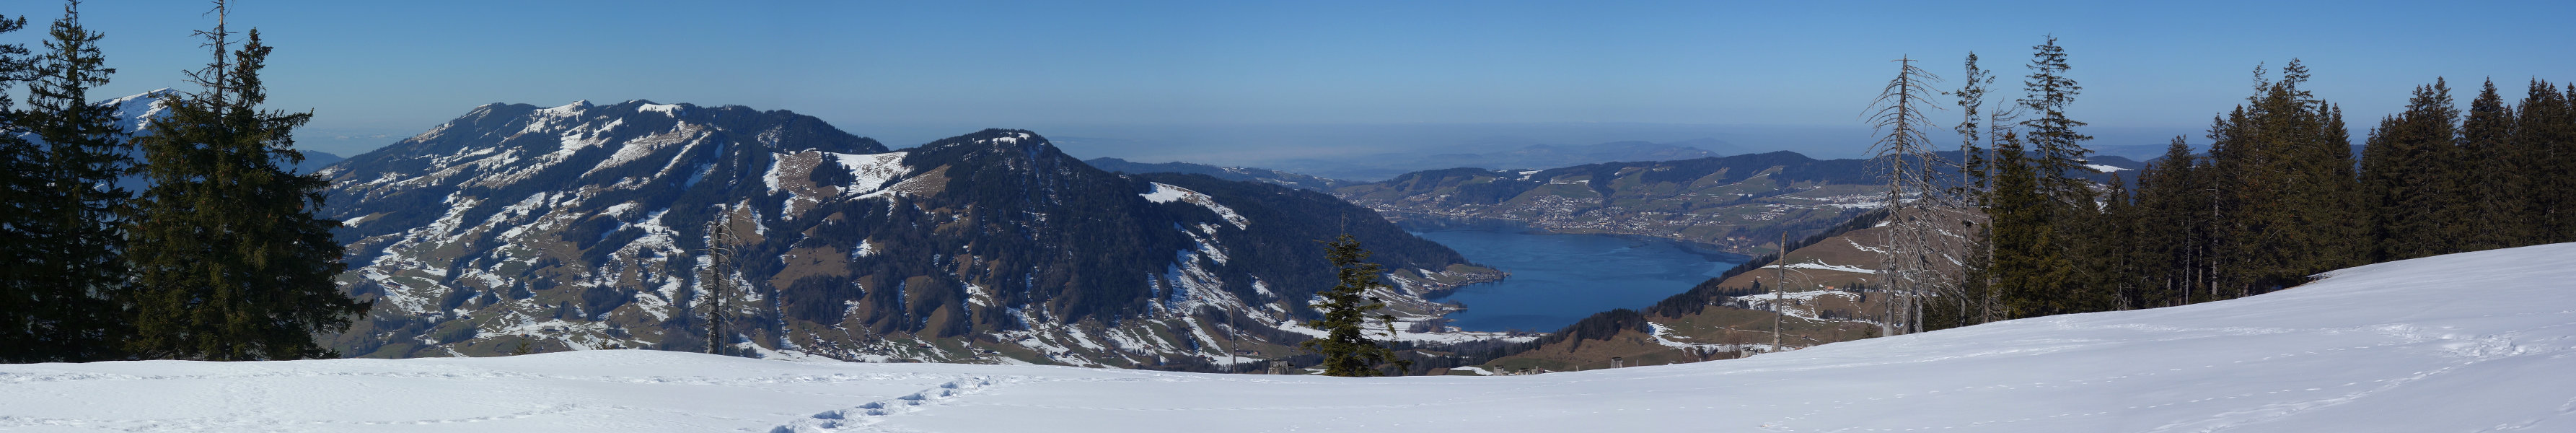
point(2279, 196)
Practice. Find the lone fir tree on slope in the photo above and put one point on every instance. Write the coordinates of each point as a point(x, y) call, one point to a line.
point(230, 262)
point(1348, 351)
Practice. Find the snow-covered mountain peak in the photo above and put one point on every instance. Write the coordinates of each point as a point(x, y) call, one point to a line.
point(136, 112)
point(574, 108)
point(667, 109)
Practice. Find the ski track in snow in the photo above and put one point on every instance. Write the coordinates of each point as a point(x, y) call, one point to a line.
point(2462, 343)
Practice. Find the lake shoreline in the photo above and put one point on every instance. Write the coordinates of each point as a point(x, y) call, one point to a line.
point(1559, 278)
point(1419, 223)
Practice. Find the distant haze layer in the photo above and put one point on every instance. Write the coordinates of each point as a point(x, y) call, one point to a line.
point(1375, 151)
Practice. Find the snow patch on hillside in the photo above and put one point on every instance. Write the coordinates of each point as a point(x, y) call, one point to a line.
point(1830, 267)
point(1166, 193)
point(637, 149)
point(872, 170)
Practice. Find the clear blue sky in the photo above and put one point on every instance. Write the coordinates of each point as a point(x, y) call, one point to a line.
point(910, 71)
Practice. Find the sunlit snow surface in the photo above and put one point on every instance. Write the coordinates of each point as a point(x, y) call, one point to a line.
point(2459, 343)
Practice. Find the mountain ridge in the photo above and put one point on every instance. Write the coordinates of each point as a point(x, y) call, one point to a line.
point(580, 227)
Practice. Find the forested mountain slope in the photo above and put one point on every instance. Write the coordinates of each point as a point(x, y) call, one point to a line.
point(518, 228)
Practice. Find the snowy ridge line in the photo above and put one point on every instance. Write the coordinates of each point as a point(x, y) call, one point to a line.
point(868, 415)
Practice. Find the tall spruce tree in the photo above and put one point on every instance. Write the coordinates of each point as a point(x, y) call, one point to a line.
point(2281, 164)
point(2415, 198)
point(2113, 252)
point(2172, 209)
point(2029, 268)
point(2345, 227)
point(2057, 157)
point(19, 159)
point(2561, 142)
point(2059, 148)
point(82, 267)
point(1346, 347)
point(230, 260)
point(2493, 166)
point(2546, 136)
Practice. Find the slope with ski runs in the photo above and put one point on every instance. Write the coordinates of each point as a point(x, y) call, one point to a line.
point(2457, 343)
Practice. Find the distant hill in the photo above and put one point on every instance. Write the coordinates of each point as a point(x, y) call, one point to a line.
point(1736, 203)
point(1245, 174)
point(315, 160)
point(1534, 156)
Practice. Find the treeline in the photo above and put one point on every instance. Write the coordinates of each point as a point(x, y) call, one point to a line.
point(2280, 196)
point(218, 257)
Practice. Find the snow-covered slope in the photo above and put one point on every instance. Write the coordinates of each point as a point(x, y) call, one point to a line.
point(2457, 343)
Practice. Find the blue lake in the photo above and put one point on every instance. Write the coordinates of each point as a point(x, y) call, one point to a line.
point(1560, 278)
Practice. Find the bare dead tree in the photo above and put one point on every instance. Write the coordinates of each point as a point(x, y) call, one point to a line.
point(1974, 299)
point(1904, 156)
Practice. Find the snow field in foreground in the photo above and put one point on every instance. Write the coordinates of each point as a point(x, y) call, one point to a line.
point(2459, 343)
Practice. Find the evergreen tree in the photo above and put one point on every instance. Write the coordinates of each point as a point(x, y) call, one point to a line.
point(2106, 256)
point(231, 263)
point(2171, 209)
point(2282, 169)
point(2046, 93)
point(19, 159)
point(2498, 188)
point(2344, 227)
point(1346, 348)
point(75, 211)
point(2546, 136)
point(2029, 268)
point(2407, 180)
point(1974, 300)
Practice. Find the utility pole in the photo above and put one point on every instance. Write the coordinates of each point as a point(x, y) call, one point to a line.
point(1779, 281)
point(720, 242)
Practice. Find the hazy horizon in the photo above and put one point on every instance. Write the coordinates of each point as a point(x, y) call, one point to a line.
point(1146, 80)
